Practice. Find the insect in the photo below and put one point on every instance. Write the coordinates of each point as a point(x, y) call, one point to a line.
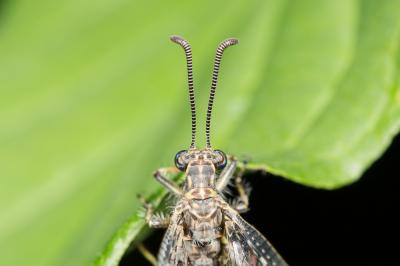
point(204, 228)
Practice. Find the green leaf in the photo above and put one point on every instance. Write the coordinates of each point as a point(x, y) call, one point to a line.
point(93, 99)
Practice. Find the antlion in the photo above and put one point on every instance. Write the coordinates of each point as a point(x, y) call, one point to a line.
point(203, 228)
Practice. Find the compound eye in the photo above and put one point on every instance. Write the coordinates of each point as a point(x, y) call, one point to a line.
point(222, 160)
point(179, 160)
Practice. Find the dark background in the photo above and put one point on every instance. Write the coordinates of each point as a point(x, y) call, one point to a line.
point(355, 225)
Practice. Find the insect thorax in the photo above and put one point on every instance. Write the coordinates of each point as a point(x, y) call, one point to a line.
point(203, 218)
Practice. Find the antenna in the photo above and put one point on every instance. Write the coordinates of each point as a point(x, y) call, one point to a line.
point(220, 50)
point(188, 52)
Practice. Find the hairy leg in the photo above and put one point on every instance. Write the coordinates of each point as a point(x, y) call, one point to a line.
point(154, 220)
point(241, 203)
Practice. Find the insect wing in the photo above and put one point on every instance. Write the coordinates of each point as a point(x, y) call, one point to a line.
point(246, 246)
point(172, 251)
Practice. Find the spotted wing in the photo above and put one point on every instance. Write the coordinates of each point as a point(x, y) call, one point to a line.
point(172, 251)
point(246, 246)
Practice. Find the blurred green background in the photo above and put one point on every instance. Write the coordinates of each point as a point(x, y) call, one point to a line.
point(93, 99)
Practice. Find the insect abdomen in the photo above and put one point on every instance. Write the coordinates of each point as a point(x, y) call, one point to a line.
point(203, 223)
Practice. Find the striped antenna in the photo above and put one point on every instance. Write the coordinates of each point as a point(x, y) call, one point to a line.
point(220, 50)
point(188, 52)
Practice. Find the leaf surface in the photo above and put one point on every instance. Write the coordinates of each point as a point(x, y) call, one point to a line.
point(93, 99)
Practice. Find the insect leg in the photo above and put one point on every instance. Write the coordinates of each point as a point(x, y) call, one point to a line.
point(154, 220)
point(226, 175)
point(172, 187)
point(244, 189)
point(147, 254)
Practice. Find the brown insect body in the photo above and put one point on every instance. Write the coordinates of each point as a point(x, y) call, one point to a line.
point(204, 229)
point(203, 218)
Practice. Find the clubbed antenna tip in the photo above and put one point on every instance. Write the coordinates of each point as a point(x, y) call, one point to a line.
point(230, 41)
point(176, 38)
